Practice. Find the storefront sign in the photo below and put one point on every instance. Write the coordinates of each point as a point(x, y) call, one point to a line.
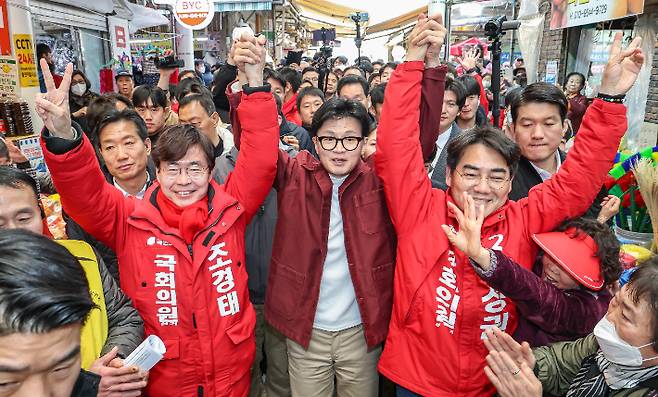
point(192, 14)
point(27, 68)
point(119, 37)
point(8, 76)
point(551, 72)
point(568, 13)
point(5, 43)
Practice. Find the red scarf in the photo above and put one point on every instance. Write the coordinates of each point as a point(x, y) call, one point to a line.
point(188, 220)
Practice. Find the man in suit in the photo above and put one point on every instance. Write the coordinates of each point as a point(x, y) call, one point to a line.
point(453, 100)
point(539, 121)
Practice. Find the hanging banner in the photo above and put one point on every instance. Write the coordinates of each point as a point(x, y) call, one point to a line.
point(568, 13)
point(5, 43)
point(551, 72)
point(27, 67)
point(119, 37)
point(8, 76)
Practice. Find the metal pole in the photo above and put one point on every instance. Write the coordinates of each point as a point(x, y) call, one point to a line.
point(495, 79)
point(446, 23)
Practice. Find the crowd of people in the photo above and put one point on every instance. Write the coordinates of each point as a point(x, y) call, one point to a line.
point(353, 230)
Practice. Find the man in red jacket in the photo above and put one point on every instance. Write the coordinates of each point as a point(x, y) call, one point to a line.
point(441, 308)
point(181, 248)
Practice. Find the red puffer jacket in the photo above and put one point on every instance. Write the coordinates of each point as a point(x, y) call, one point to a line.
point(195, 297)
point(441, 308)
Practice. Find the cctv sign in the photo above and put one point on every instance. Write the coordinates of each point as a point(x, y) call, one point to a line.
point(192, 14)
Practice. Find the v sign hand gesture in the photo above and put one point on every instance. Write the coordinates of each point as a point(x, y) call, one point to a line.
point(53, 106)
point(623, 67)
point(467, 239)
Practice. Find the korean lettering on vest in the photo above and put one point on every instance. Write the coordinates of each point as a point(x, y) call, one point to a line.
point(447, 295)
point(165, 290)
point(493, 301)
point(223, 280)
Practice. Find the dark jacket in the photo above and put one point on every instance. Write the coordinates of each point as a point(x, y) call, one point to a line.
point(546, 313)
point(305, 143)
point(86, 385)
point(557, 367)
point(577, 107)
point(439, 174)
point(526, 178)
point(77, 103)
point(223, 77)
point(259, 235)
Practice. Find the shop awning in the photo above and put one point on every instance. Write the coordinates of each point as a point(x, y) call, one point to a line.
point(102, 6)
point(242, 5)
point(398, 22)
point(325, 14)
point(145, 17)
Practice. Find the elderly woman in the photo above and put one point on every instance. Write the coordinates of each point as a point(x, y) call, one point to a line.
point(619, 358)
point(578, 102)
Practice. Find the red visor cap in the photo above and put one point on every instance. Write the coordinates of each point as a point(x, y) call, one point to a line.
point(575, 251)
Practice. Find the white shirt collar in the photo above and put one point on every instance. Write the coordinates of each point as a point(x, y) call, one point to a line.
point(441, 143)
point(140, 194)
point(545, 175)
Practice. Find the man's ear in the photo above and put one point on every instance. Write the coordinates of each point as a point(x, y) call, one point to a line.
point(565, 127)
point(147, 143)
point(448, 175)
point(215, 118)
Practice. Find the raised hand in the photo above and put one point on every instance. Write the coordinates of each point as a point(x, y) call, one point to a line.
point(117, 380)
point(609, 208)
point(53, 106)
point(468, 238)
point(249, 57)
point(15, 154)
point(426, 32)
point(470, 59)
point(500, 342)
point(436, 39)
point(623, 67)
point(511, 379)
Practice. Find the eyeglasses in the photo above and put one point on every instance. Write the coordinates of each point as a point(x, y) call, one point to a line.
point(494, 182)
point(193, 171)
point(350, 143)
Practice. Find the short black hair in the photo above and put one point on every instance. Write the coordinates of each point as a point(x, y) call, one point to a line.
point(339, 108)
point(490, 137)
point(352, 79)
point(378, 62)
point(341, 58)
point(290, 75)
point(511, 95)
point(17, 179)
point(42, 49)
point(190, 86)
point(377, 94)
point(309, 69)
point(4, 150)
point(457, 87)
point(186, 72)
point(582, 78)
point(272, 74)
point(309, 91)
point(176, 140)
point(143, 93)
point(606, 241)
point(373, 76)
point(366, 66)
point(541, 93)
point(100, 106)
point(362, 73)
point(390, 65)
point(127, 115)
point(643, 284)
point(42, 285)
point(84, 77)
point(204, 100)
point(471, 85)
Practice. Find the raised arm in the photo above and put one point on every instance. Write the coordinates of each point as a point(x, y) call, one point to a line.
point(571, 191)
point(256, 165)
point(399, 159)
point(86, 196)
point(431, 106)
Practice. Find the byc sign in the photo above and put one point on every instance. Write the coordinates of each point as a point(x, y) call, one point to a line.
point(192, 14)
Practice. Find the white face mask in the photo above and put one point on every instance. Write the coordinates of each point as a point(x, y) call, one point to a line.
point(615, 349)
point(79, 89)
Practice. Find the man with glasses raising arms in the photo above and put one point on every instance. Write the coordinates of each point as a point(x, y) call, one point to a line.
point(180, 249)
point(442, 309)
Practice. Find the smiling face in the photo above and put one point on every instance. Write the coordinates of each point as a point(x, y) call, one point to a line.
point(45, 364)
point(124, 152)
point(479, 162)
point(538, 130)
point(178, 179)
point(633, 323)
point(339, 161)
point(556, 275)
